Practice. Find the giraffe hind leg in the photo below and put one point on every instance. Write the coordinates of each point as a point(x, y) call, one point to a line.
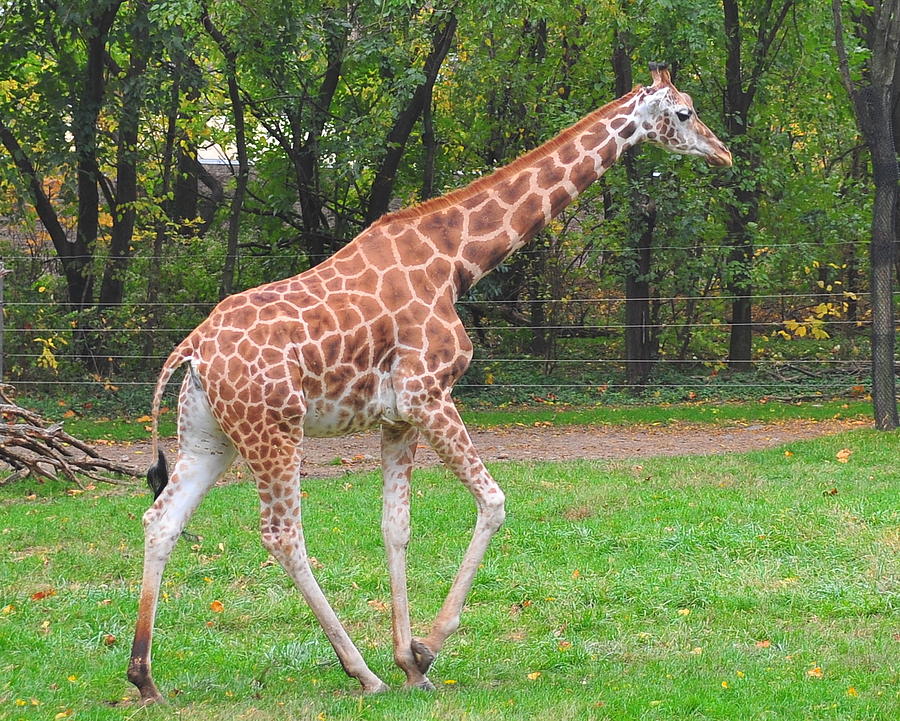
point(205, 453)
point(277, 473)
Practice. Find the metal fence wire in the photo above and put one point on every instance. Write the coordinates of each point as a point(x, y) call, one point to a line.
point(129, 363)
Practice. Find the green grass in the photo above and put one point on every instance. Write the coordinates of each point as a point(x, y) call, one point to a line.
point(719, 587)
point(760, 411)
point(666, 413)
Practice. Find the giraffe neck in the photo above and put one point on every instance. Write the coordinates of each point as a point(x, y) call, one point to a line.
point(526, 196)
point(478, 226)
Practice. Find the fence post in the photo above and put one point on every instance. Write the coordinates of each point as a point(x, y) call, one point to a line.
point(3, 271)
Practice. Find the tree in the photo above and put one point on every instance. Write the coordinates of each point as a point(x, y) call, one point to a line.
point(744, 73)
point(873, 100)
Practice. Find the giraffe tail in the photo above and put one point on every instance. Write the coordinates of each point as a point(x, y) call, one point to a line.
point(158, 473)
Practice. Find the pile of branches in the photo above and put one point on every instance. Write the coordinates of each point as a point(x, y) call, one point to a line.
point(30, 446)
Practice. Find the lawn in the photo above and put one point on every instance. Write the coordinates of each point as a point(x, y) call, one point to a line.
point(90, 427)
point(755, 586)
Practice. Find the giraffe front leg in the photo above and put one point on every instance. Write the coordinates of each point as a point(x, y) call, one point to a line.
point(398, 449)
point(441, 425)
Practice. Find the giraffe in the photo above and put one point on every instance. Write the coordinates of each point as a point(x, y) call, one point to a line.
point(371, 337)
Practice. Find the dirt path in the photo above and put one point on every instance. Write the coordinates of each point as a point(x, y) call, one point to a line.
point(328, 457)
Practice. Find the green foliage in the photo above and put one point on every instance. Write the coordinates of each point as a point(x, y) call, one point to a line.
point(516, 74)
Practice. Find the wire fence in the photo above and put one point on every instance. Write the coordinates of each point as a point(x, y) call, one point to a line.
point(130, 361)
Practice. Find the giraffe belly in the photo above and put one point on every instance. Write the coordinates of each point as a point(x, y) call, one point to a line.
point(351, 412)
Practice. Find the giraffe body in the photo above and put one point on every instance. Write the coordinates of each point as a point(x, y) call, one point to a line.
point(371, 337)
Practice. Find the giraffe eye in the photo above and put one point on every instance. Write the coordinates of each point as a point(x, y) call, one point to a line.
point(683, 114)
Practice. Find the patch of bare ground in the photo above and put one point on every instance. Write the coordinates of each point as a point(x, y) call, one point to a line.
point(329, 457)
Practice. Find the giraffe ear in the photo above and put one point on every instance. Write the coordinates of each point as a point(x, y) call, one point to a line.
point(660, 74)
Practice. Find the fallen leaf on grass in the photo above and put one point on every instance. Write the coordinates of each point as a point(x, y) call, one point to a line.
point(843, 455)
point(815, 672)
point(109, 639)
point(852, 692)
point(40, 595)
point(534, 675)
point(378, 605)
point(63, 714)
point(763, 644)
point(217, 607)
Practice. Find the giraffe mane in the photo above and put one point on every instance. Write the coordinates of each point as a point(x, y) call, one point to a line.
point(434, 205)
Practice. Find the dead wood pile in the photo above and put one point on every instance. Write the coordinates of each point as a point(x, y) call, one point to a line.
point(30, 446)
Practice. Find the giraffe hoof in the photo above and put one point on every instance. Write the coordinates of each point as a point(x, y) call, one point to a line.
point(380, 687)
point(423, 685)
point(153, 698)
point(424, 656)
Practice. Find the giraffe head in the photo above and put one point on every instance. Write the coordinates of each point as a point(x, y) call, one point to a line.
point(670, 121)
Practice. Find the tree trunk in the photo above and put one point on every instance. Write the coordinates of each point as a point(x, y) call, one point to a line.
point(112, 287)
point(884, 170)
point(872, 104)
point(639, 345)
point(742, 78)
point(383, 184)
point(226, 285)
point(71, 255)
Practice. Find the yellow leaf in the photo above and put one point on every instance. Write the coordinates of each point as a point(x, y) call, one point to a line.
point(815, 672)
point(576, 573)
point(143, 419)
point(217, 607)
point(843, 455)
point(72, 678)
point(724, 684)
point(63, 714)
point(7, 609)
point(534, 675)
point(684, 612)
point(449, 681)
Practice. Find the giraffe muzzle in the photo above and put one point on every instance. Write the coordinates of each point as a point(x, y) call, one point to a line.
point(720, 158)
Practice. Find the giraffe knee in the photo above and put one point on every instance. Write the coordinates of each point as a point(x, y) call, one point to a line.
point(281, 541)
point(493, 509)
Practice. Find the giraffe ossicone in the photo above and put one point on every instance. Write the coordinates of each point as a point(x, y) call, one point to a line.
point(370, 336)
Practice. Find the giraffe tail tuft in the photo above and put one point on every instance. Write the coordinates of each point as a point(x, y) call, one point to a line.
point(158, 475)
